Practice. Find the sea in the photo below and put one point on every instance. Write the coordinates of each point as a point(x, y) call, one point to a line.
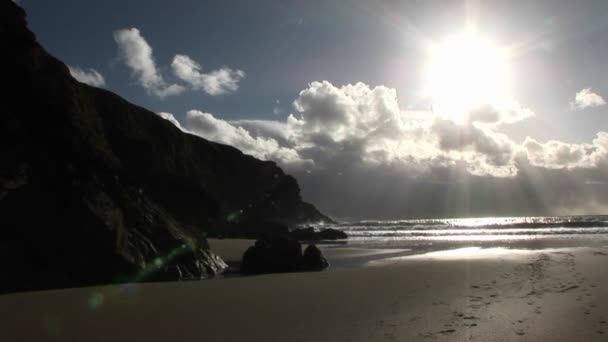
point(476, 231)
point(383, 241)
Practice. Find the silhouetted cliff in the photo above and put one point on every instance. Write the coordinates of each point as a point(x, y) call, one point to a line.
point(94, 189)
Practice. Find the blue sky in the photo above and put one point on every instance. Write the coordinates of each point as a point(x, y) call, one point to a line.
point(556, 50)
point(283, 46)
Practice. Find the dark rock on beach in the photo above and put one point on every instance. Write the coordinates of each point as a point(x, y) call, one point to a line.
point(281, 254)
point(313, 259)
point(95, 190)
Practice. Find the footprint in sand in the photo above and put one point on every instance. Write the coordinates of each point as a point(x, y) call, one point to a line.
point(568, 288)
point(427, 335)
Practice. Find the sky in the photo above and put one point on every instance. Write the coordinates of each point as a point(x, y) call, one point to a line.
point(380, 109)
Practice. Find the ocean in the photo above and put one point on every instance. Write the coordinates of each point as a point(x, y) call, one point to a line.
point(476, 229)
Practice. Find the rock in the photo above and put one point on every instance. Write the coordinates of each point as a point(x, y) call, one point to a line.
point(281, 254)
point(332, 234)
point(313, 259)
point(313, 235)
point(96, 190)
point(272, 255)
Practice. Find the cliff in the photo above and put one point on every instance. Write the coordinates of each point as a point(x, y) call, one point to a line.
point(95, 190)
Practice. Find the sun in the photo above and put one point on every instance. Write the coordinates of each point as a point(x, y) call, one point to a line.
point(464, 72)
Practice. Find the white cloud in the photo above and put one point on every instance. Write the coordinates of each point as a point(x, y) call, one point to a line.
point(91, 76)
point(137, 54)
point(277, 130)
point(215, 82)
point(221, 131)
point(496, 115)
point(355, 152)
point(586, 98)
point(555, 154)
point(171, 118)
point(485, 151)
point(368, 123)
point(353, 126)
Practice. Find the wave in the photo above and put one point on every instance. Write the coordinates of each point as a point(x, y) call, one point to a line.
point(504, 226)
point(481, 223)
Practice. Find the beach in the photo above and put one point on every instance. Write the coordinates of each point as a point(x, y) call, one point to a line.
point(449, 159)
point(459, 294)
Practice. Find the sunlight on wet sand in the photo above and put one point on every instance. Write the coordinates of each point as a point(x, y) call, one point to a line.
point(470, 253)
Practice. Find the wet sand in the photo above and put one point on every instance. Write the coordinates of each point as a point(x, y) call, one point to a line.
point(555, 294)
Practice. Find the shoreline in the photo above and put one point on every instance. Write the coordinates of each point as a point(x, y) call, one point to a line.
point(349, 254)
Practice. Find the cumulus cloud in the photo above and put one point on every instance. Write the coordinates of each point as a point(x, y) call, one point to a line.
point(221, 131)
point(91, 76)
point(485, 151)
point(171, 118)
point(355, 151)
point(586, 98)
point(357, 125)
point(277, 130)
point(137, 54)
point(496, 115)
point(215, 82)
point(367, 121)
point(555, 154)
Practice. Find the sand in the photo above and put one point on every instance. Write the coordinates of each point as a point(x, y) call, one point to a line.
point(494, 294)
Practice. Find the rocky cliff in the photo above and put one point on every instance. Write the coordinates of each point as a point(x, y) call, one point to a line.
point(94, 189)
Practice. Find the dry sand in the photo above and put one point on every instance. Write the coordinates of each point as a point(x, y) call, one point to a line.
point(479, 295)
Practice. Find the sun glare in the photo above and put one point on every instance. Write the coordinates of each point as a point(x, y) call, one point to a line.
point(464, 72)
